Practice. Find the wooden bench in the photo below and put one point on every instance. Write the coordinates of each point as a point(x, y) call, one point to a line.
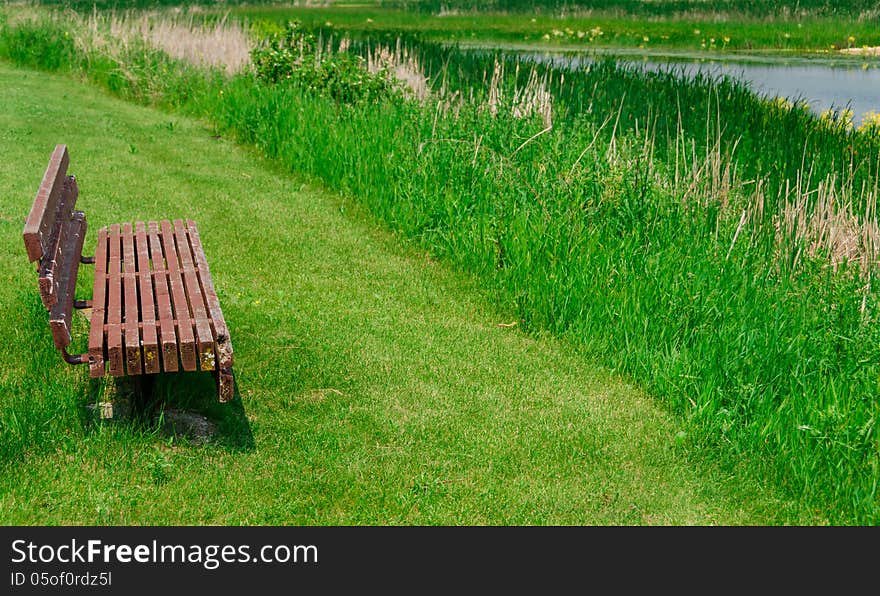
point(153, 308)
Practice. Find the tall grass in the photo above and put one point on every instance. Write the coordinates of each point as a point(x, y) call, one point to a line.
point(666, 227)
point(768, 139)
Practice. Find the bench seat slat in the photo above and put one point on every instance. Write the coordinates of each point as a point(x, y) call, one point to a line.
point(147, 303)
point(167, 331)
point(212, 301)
point(204, 334)
point(131, 312)
point(182, 310)
point(114, 305)
point(97, 367)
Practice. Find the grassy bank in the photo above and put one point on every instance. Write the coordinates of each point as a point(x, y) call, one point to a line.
point(376, 387)
point(707, 33)
point(714, 28)
point(642, 235)
point(718, 8)
point(745, 330)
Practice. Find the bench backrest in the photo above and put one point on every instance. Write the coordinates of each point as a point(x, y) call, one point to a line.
point(53, 237)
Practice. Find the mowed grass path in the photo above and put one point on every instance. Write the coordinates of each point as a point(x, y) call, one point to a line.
point(376, 387)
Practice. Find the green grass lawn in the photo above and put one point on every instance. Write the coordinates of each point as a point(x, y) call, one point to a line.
point(375, 386)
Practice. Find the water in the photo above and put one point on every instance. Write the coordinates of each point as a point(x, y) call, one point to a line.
point(823, 85)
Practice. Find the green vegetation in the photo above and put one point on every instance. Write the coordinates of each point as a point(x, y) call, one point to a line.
point(714, 26)
point(698, 33)
point(288, 56)
point(756, 8)
point(662, 227)
point(709, 297)
point(376, 387)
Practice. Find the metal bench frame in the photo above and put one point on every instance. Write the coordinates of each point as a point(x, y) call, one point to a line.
point(154, 307)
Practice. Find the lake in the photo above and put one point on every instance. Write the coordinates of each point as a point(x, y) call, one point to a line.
point(823, 83)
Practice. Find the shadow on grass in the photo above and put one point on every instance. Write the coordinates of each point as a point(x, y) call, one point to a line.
point(182, 408)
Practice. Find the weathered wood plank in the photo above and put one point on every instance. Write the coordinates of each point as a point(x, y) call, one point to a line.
point(56, 248)
point(147, 302)
point(99, 308)
point(130, 318)
point(204, 335)
point(167, 331)
point(61, 312)
point(114, 305)
point(44, 210)
point(182, 311)
point(212, 301)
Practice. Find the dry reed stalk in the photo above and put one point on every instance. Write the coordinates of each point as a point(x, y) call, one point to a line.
point(402, 65)
point(495, 90)
point(707, 179)
point(224, 44)
point(823, 221)
point(532, 99)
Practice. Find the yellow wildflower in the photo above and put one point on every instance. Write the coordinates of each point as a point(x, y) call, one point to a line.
point(870, 123)
point(842, 119)
point(783, 103)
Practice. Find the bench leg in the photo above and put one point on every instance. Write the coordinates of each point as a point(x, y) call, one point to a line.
point(142, 392)
point(225, 384)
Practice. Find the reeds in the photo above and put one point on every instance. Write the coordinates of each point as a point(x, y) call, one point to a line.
point(400, 63)
point(221, 44)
